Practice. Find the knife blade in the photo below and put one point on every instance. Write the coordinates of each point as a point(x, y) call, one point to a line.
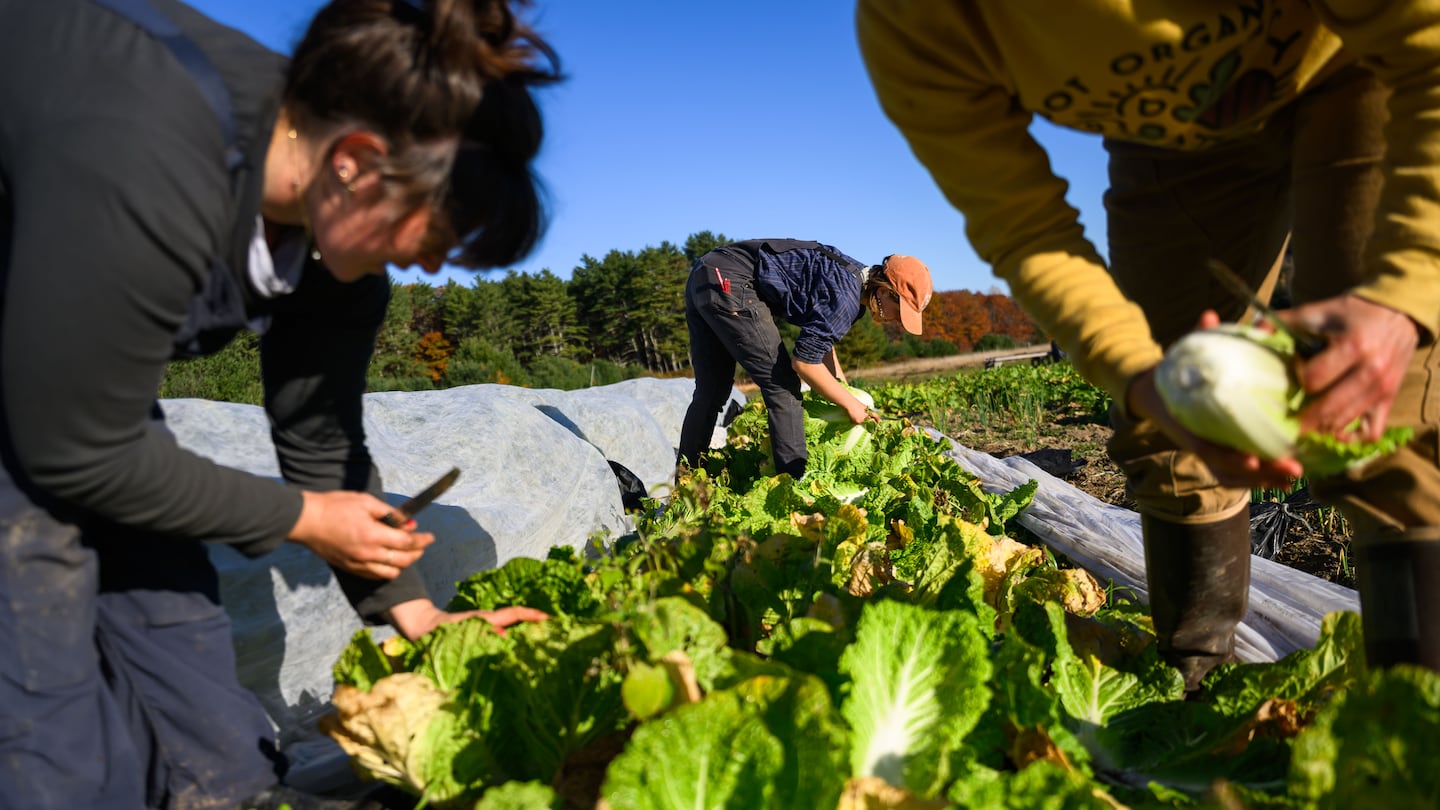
point(897, 416)
point(1307, 343)
point(405, 511)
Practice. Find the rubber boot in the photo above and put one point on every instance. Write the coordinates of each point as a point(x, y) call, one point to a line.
point(1199, 580)
point(1398, 576)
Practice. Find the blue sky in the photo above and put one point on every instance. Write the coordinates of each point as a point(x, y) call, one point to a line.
point(751, 119)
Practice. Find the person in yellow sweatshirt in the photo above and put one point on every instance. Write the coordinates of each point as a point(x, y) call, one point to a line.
point(1233, 128)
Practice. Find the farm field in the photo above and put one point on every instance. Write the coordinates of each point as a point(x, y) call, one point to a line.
point(878, 634)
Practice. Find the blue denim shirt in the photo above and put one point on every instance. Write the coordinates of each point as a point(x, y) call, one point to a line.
point(814, 292)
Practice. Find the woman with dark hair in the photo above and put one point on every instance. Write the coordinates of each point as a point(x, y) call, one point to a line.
point(165, 182)
point(731, 300)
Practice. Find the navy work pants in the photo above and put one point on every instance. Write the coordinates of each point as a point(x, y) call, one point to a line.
point(117, 675)
point(735, 325)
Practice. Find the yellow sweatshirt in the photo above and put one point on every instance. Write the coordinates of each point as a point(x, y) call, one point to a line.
point(963, 78)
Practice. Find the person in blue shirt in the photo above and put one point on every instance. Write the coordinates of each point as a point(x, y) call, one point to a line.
point(731, 300)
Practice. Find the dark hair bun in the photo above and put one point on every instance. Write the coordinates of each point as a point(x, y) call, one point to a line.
point(426, 74)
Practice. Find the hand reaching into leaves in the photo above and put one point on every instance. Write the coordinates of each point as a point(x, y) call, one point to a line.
point(417, 617)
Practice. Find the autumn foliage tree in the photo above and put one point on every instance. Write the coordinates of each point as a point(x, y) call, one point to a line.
point(626, 311)
point(610, 319)
point(434, 351)
point(1008, 319)
point(959, 316)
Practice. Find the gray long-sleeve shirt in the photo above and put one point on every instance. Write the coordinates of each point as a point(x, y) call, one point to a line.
point(115, 201)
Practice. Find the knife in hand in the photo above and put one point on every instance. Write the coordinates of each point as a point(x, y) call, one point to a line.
point(407, 510)
point(1307, 343)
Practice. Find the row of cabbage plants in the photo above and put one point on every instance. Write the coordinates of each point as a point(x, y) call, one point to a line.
point(869, 636)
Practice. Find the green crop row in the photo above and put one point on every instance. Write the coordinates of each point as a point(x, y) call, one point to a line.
point(870, 636)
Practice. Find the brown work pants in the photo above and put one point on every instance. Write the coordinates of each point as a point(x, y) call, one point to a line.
point(1312, 176)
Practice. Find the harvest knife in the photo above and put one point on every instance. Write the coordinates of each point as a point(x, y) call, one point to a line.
point(405, 511)
point(1307, 343)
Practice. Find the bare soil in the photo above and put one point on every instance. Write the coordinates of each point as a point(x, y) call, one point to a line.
point(1294, 531)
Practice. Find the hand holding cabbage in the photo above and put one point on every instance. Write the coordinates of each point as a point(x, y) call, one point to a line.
point(855, 437)
point(1361, 371)
point(1237, 386)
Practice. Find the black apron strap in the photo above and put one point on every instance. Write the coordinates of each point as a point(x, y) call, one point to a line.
point(217, 311)
point(857, 270)
point(190, 57)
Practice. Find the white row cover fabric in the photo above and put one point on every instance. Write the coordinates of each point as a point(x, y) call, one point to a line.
point(534, 475)
point(1286, 605)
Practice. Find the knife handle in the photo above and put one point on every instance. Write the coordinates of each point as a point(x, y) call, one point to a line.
point(1308, 345)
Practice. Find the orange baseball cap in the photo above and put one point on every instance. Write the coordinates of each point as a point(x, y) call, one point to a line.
point(911, 280)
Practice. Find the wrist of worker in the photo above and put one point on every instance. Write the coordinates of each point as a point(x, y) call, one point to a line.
point(414, 618)
point(308, 519)
point(1142, 399)
point(1408, 295)
point(373, 599)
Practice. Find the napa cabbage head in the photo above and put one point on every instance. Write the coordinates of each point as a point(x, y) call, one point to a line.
point(1236, 386)
point(919, 683)
point(847, 436)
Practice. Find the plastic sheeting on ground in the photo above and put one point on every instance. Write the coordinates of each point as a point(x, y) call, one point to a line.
point(1286, 605)
point(534, 475)
point(634, 422)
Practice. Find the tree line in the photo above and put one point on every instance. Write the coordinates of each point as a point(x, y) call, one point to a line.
point(618, 317)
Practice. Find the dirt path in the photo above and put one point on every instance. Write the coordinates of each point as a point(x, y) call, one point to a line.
point(931, 366)
point(921, 367)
